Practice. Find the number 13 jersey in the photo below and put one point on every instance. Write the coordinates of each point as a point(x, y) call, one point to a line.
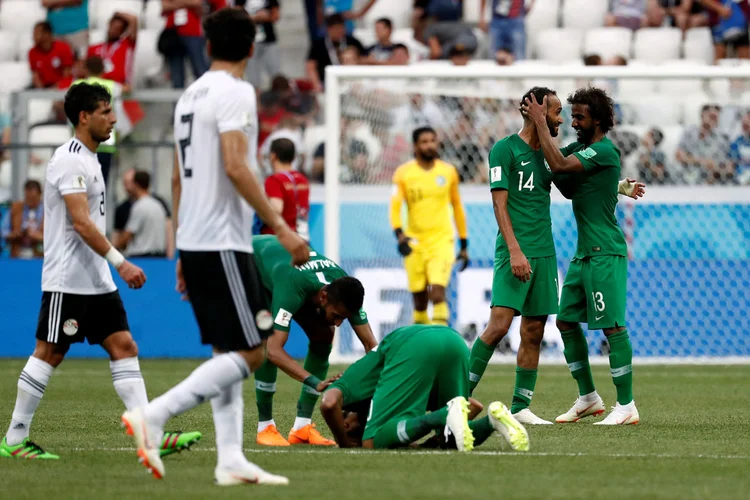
point(212, 215)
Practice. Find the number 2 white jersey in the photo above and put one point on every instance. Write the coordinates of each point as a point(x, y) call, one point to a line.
point(70, 265)
point(212, 215)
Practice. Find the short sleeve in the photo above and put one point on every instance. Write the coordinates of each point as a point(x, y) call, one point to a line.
point(598, 156)
point(236, 110)
point(66, 55)
point(286, 302)
point(274, 188)
point(135, 221)
point(68, 175)
point(567, 150)
point(167, 208)
point(359, 319)
point(500, 161)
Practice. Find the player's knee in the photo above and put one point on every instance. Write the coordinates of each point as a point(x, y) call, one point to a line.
point(328, 402)
point(437, 294)
point(613, 330)
point(564, 326)
point(255, 357)
point(52, 354)
point(532, 336)
point(494, 333)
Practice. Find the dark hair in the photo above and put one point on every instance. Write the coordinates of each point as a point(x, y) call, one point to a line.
point(397, 46)
point(386, 21)
point(347, 291)
point(231, 33)
point(46, 27)
point(280, 83)
point(592, 60)
point(334, 20)
point(84, 97)
point(539, 94)
point(657, 135)
point(120, 18)
point(708, 107)
point(142, 179)
point(32, 184)
point(419, 131)
point(95, 65)
point(284, 150)
point(600, 104)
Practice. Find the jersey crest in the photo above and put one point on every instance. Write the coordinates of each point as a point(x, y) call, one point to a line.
point(440, 180)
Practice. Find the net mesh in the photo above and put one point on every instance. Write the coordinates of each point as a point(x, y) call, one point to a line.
point(689, 248)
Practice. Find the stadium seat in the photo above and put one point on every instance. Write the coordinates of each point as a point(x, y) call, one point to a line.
point(398, 11)
point(417, 51)
point(559, 44)
point(629, 88)
point(656, 110)
point(39, 111)
point(692, 105)
point(584, 14)
point(366, 36)
point(25, 42)
point(21, 15)
point(8, 46)
point(152, 18)
point(682, 86)
point(52, 135)
point(672, 136)
point(542, 17)
point(97, 36)
point(608, 42)
point(657, 44)
point(15, 76)
point(698, 44)
point(106, 9)
point(470, 12)
point(148, 62)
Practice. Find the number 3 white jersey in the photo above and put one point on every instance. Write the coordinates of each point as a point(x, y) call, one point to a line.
point(70, 265)
point(212, 215)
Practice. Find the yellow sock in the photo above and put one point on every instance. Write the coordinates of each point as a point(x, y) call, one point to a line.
point(440, 313)
point(421, 318)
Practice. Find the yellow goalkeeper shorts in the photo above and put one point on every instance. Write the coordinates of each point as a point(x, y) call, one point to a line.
point(429, 265)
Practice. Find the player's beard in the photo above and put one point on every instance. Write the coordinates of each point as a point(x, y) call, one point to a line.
point(553, 127)
point(101, 137)
point(428, 155)
point(585, 135)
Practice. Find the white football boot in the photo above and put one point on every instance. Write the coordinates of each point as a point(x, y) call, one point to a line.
point(506, 424)
point(622, 415)
point(527, 417)
point(247, 473)
point(457, 423)
point(147, 441)
point(585, 406)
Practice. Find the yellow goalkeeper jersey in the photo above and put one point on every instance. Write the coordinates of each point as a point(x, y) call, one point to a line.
point(429, 195)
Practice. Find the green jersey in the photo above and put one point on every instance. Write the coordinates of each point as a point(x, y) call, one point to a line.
point(115, 90)
point(524, 173)
point(291, 286)
point(595, 199)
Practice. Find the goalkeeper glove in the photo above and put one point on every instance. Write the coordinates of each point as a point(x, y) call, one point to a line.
point(403, 244)
point(463, 256)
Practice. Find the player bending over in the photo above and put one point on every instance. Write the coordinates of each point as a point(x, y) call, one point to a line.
point(595, 286)
point(318, 296)
point(414, 369)
point(79, 298)
point(430, 188)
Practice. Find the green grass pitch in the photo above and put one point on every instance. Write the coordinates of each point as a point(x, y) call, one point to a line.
point(693, 442)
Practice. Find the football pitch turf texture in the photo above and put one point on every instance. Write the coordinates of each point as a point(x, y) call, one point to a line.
point(693, 441)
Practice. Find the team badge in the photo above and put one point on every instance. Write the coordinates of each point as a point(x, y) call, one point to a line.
point(70, 327)
point(264, 320)
point(496, 174)
point(81, 182)
point(440, 180)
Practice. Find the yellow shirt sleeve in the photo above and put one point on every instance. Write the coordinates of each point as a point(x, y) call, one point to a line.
point(459, 214)
point(397, 199)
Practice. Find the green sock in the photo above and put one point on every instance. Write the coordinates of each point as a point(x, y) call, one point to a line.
point(577, 355)
point(265, 388)
point(480, 356)
point(396, 433)
point(524, 389)
point(621, 365)
point(482, 430)
point(316, 362)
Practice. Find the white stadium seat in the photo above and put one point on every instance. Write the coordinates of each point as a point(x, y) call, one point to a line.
point(39, 111)
point(584, 14)
point(608, 42)
point(657, 44)
point(45, 134)
point(25, 42)
point(633, 88)
point(152, 18)
point(21, 15)
point(106, 10)
point(398, 11)
point(15, 76)
point(97, 36)
point(417, 51)
point(366, 36)
point(559, 44)
point(542, 16)
point(699, 45)
point(682, 86)
point(148, 62)
point(8, 46)
point(656, 110)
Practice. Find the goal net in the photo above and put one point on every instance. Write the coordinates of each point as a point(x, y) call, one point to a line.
point(684, 130)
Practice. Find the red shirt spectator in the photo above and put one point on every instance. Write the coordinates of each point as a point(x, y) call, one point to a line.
point(270, 114)
point(50, 60)
point(187, 15)
point(117, 51)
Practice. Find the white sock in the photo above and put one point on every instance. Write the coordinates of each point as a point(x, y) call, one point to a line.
point(266, 423)
point(31, 384)
point(300, 422)
point(128, 382)
point(590, 397)
point(206, 382)
point(227, 410)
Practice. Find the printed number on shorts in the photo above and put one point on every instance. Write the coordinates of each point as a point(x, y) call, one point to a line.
point(529, 184)
point(598, 299)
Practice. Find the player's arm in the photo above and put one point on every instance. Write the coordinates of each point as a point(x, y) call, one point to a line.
point(364, 334)
point(459, 215)
point(566, 184)
point(275, 194)
point(131, 31)
point(168, 6)
point(557, 162)
point(331, 407)
point(397, 199)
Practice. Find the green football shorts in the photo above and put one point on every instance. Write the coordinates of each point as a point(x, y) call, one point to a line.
point(595, 291)
point(536, 297)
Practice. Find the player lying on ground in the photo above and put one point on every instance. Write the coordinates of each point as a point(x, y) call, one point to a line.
point(414, 369)
point(79, 298)
point(595, 286)
point(525, 278)
point(319, 296)
point(430, 188)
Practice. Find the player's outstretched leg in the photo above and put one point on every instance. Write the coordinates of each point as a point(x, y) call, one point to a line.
point(621, 366)
point(484, 346)
point(510, 428)
point(265, 389)
point(440, 311)
point(532, 333)
point(304, 431)
point(576, 351)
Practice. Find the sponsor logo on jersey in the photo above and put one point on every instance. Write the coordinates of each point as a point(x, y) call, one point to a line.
point(283, 318)
point(70, 327)
point(587, 153)
point(264, 320)
point(547, 165)
point(440, 180)
point(524, 163)
point(362, 315)
point(496, 174)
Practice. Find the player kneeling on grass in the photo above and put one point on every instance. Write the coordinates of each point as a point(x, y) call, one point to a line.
point(318, 295)
point(414, 369)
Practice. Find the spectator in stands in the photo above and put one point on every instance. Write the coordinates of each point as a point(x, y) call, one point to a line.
point(443, 36)
point(290, 130)
point(703, 151)
point(117, 52)
point(344, 8)
point(124, 210)
point(728, 20)
point(355, 162)
point(459, 55)
point(267, 56)
point(400, 56)
point(739, 151)
point(652, 161)
point(184, 27)
point(50, 60)
point(327, 50)
point(592, 60)
point(382, 51)
point(287, 189)
point(417, 112)
point(296, 97)
point(350, 56)
point(145, 233)
point(507, 29)
point(459, 147)
point(629, 14)
point(70, 22)
point(317, 173)
point(669, 12)
point(270, 114)
point(26, 234)
point(427, 12)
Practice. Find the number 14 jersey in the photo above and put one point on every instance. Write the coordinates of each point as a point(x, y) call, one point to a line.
point(212, 215)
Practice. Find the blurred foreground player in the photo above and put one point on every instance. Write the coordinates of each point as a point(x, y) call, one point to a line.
point(79, 298)
point(214, 192)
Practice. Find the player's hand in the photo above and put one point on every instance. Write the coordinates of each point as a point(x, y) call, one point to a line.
point(520, 266)
point(132, 275)
point(403, 246)
point(181, 287)
point(463, 260)
point(537, 112)
point(632, 188)
point(323, 385)
point(295, 245)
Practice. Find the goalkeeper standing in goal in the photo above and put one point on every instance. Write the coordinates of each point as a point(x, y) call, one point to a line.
point(430, 188)
point(595, 286)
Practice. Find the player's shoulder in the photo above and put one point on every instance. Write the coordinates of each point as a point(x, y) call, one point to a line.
point(505, 144)
point(404, 168)
point(70, 152)
point(226, 86)
point(446, 167)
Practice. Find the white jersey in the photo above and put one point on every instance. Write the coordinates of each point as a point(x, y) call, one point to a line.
point(70, 265)
point(212, 215)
